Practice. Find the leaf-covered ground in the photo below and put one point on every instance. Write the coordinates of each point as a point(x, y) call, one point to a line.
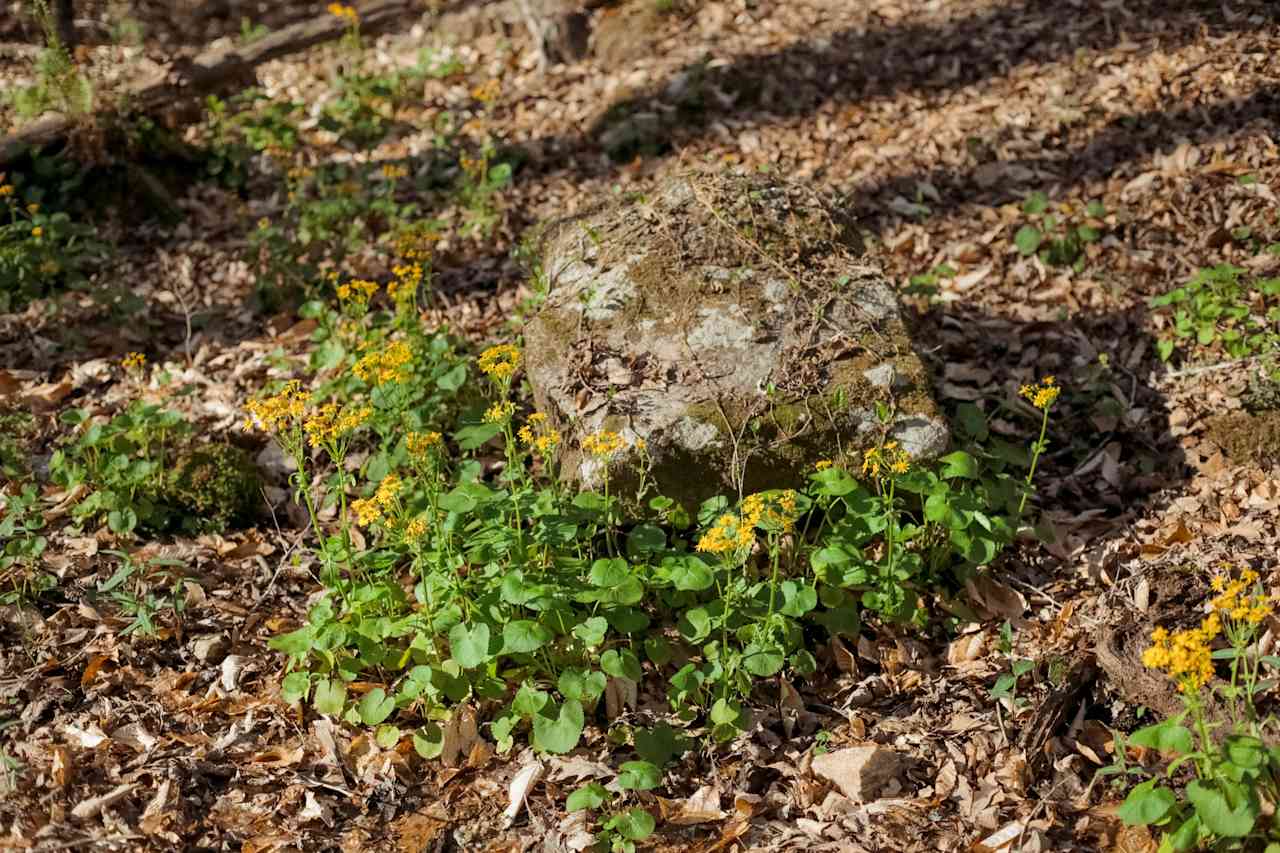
point(934, 122)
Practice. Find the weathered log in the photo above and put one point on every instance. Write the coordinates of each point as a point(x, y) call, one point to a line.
point(209, 70)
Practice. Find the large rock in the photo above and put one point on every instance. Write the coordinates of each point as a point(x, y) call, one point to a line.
point(733, 324)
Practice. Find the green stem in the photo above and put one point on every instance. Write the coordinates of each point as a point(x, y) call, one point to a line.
point(1035, 459)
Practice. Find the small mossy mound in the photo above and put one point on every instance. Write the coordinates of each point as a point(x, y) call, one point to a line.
point(732, 322)
point(213, 486)
point(1249, 439)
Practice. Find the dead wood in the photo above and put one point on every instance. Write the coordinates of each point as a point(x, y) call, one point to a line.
point(207, 72)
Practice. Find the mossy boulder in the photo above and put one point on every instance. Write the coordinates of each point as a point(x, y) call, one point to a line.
point(732, 322)
point(213, 486)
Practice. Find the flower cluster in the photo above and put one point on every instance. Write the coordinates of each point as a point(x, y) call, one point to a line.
point(382, 367)
point(392, 172)
point(499, 413)
point(384, 500)
point(776, 511)
point(404, 287)
point(358, 291)
point(500, 363)
point(415, 244)
point(332, 422)
point(422, 445)
point(280, 412)
point(1042, 396)
point(1234, 601)
point(602, 444)
point(539, 435)
point(346, 13)
point(888, 457)
point(487, 92)
point(134, 361)
point(1186, 655)
point(729, 534)
point(6, 190)
point(822, 464)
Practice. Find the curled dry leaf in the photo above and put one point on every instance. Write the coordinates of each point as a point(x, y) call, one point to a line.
point(526, 777)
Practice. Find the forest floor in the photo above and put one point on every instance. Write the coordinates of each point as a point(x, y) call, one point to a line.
point(1157, 122)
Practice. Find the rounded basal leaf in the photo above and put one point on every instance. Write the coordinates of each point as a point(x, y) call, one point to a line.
point(659, 744)
point(591, 631)
point(375, 706)
point(586, 687)
point(560, 734)
point(1146, 804)
point(1225, 808)
point(639, 776)
point(330, 696)
point(609, 573)
point(529, 700)
point(429, 741)
point(689, 573)
point(1166, 737)
point(1028, 239)
point(633, 824)
point(645, 539)
point(762, 662)
point(469, 646)
point(621, 663)
point(295, 687)
point(590, 796)
point(524, 636)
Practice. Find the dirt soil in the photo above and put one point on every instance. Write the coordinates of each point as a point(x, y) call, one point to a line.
point(932, 123)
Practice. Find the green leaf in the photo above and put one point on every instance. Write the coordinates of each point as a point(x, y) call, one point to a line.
point(645, 539)
point(1028, 239)
point(590, 796)
point(607, 573)
point(639, 776)
point(1146, 804)
point(296, 643)
point(622, 663)
point(295, 687)
point(1167, 736)
point(1216, 812)
point(330, 696)
point(453, 379)
point(762, 662)
point(524, 636)
point(1244, 751)
point(1164, 347)
point(469, 646)
point(529, 700)
point(591, 631)
point(429, 742)
point(1036, 203)
point(471, 437)
point(122, 521)
point(688, 573)
point(633, 824)
point(659, 744)
point(375, 706)
point(959, 464)
point(561, 734)
point(584, 686)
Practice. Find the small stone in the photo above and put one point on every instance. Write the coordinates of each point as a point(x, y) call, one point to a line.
point(211, 649)
point(861, 773)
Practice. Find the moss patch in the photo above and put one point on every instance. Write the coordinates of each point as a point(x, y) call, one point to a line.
point(1252, 439)
point(213, 486)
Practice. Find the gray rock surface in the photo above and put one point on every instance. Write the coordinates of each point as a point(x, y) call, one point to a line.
point(733, 323)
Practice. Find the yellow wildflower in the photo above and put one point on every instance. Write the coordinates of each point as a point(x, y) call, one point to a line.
point(6, 190)
point(280, 412)
point(332, 422)
point(640, 444)
point(134, 361)
point(1042, 396)
point(500, 362)
point(1186, 656)
point(347, 13)
point(723, 537)
point(487, 92)
point(367, 511)
point(388, 491)
point(602, 444)
point(382, 367)
point(537, 418)
point(547, 442)
point(33, 208)
point(392, 172)
point(37, 231)
point(499, 412)
point(822, 464)
point(525, 434)
point(264, 224)
point(416, 528)
point(420, 445)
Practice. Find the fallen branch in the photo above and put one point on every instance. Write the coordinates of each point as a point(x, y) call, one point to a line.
point(209, 70)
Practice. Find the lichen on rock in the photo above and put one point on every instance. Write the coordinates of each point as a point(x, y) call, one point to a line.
point(732, 322)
